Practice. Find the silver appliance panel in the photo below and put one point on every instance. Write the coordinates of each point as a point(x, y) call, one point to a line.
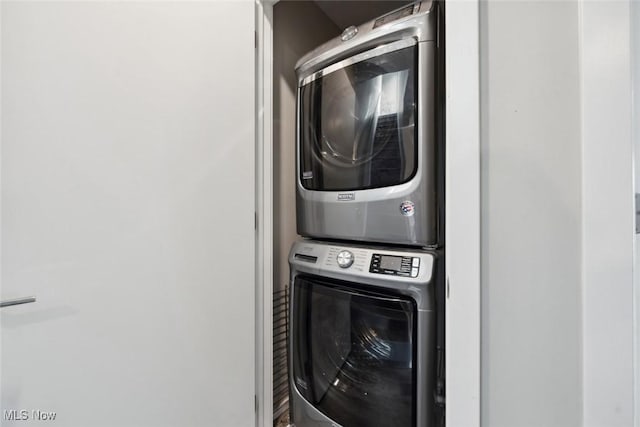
point(420, 25)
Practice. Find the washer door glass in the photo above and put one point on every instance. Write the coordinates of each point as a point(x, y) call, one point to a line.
point(354, 353)
point(357, 124)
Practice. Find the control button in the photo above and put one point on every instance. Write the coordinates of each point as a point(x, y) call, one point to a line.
point(416, 262)
point(345, 259)
point(414, 272)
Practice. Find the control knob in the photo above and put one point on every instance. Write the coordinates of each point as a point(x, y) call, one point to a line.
point(345, 259)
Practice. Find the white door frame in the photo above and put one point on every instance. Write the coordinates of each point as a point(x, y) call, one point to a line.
point(462, 249)
point(635, 134)
point(462, 240)
point(264, 213)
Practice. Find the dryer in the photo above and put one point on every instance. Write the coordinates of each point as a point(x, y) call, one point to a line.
point(370, 154)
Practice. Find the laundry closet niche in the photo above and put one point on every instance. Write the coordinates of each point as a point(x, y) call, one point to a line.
point(298, 27)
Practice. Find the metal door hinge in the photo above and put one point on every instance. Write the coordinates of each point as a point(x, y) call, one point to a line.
point(256, 401)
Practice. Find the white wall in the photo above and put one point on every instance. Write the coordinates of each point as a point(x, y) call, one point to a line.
point(531, 214)
point(608, 215)
point(608, 220)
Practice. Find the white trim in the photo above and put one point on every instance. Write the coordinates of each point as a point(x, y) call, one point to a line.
point(607, 214)
point(1, 198)
point(264, 214)
point(462, 241)
point(635, 135)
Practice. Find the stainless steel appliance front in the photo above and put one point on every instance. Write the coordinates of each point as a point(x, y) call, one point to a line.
point(362, 344)
point(369, 160)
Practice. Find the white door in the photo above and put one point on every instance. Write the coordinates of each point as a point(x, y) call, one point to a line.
point(128, 211)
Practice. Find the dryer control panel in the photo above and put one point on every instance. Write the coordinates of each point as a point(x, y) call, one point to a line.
point(395, 265)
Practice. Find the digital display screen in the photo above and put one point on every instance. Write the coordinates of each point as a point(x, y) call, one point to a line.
point(390, 262)
point(406, 11)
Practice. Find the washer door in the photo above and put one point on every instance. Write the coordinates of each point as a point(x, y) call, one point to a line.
point(354, 353)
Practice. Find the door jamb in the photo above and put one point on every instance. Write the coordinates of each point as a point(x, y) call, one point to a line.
point(462, 217)
point(264, 211)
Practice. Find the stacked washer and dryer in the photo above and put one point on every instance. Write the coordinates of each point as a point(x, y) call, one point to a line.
point(367, 304)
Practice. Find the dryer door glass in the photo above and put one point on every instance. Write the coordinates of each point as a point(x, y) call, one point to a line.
point(354, 353)
point(357, 124)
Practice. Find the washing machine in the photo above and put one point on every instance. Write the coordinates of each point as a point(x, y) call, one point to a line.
point(363, 342)
point(370, 146)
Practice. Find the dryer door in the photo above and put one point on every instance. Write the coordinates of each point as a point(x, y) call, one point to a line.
point(357, 123)
point(354, 353)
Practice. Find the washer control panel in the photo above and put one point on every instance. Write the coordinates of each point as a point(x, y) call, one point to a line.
point(395, 265)
point(369, 264)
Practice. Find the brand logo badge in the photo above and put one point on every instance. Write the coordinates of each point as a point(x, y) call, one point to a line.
point(349, 33)
point(407, 208)
point(346, 196)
